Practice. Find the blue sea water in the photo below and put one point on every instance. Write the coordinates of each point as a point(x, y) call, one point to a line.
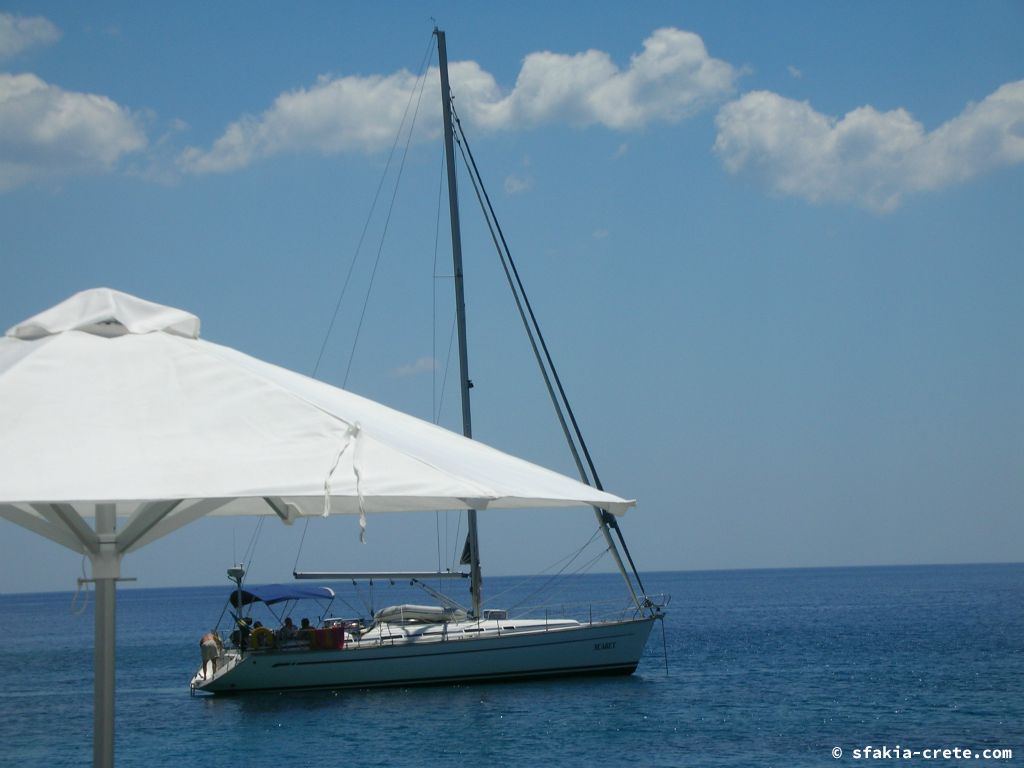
point(764, 668)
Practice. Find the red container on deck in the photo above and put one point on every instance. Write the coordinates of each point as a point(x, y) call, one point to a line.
point(330, 638)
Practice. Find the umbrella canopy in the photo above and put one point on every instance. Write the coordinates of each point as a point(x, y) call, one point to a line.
point(106, 398)
point(112, 406)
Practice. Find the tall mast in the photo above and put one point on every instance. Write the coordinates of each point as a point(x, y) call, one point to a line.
point(460, 301)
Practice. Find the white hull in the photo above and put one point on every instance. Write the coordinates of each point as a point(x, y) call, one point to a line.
point(398, 655)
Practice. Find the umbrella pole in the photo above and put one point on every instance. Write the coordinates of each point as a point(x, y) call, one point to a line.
point(105, 571)
point(103, 690)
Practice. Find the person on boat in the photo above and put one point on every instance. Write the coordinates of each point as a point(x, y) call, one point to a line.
point(211, 648)
point(288, 630)
point(240, 637)
point(306, 632)
point(261, 636)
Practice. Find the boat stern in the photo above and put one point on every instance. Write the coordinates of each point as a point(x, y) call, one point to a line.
point(206, 680)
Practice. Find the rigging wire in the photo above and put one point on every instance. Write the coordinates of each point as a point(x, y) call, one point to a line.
point(444, 381)
point(447, 367)
point(525, 610)
point(533, 326)
point(523, 304)
point(492, 224)
point(362, 236)
point(302, 541)
point(250, 551)
point(569, 561)
point(438, 395)
point(564, 561)
point(439, 398)
point(78, 608)
point(435, 410)
point(346, 603)
point(456, 554)
point(433, 297)
point(369, 216)
point(387, 218)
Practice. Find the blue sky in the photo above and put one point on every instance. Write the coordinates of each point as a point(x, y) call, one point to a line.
point(776, 249)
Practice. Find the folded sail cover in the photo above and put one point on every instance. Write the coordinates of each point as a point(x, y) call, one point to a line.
point(107, 397)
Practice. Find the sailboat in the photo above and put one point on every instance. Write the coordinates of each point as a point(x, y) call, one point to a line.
point(412, 644)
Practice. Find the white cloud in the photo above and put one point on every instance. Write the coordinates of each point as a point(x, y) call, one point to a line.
point(159, 163)
point(671, 79)
point(422, 365)
point(867, 157)
point(795, 72)
point(47, 132)
point(335, 115)
point(516, 183)
point(18, 33)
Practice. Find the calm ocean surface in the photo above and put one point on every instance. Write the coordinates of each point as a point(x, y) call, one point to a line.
point(765, 668)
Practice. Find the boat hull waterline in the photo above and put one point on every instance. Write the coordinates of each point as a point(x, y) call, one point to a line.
point(417, 659)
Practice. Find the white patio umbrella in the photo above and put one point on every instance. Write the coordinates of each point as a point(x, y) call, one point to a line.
point(113, 407)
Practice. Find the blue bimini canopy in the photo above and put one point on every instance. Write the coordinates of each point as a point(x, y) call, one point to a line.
point(278, 593)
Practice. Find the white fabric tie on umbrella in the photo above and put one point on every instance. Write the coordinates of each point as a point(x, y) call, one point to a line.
point(352, 436)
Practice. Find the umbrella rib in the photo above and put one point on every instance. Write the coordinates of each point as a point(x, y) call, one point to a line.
point(64, 515)
point(181, 516)
point(46, 528)
point(142, 521)
point(281, 509)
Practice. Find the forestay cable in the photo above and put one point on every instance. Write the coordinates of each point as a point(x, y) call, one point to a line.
point(532, 327)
